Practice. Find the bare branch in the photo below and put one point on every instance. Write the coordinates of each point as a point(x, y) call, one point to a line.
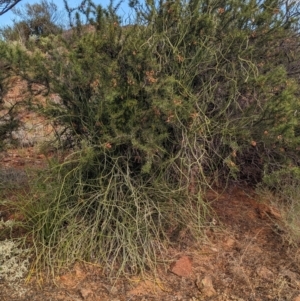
point(6, 5)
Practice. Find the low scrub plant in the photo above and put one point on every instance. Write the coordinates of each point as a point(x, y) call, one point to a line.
point(124, 223)
point(281, 189)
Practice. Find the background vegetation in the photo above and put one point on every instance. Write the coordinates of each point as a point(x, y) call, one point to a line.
point(191, 96)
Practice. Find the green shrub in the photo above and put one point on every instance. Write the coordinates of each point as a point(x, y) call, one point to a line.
point(150, 113)
point(281, 190)
point(8, 112)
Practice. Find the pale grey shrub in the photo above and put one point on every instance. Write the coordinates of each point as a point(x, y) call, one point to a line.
point(14, 259)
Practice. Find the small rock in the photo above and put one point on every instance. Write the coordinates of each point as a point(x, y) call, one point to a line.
point(264, 273)
point(239, 273)
point(297, 298)
point(239, 299)
point(182, 267)
point(230, 242)
point(275, 212)
point(114, 290)
point(60, 297)
point(292, 277)
point(205, 286)
point(85, 293)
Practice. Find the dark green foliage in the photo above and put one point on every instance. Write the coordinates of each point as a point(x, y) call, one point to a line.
point(229, 58)
point(8, 113)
